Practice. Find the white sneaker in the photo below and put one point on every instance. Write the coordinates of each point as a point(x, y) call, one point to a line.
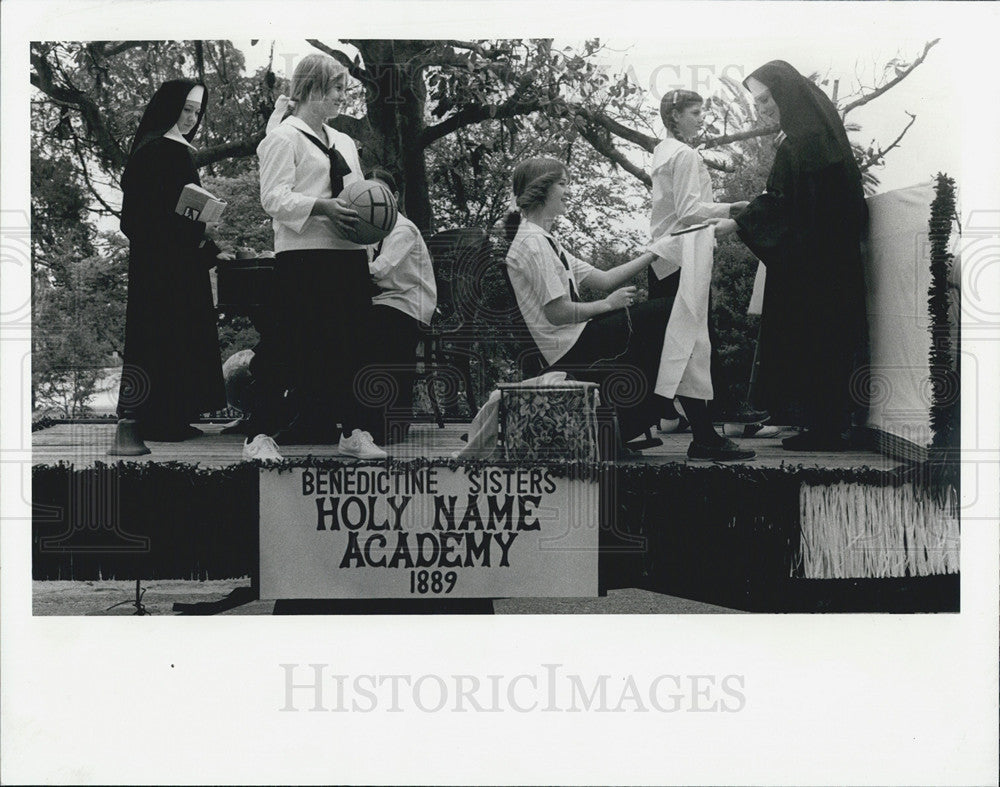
point(672, 425)
point(669, 425)
point(361, 445)
point(261, 447)
point(750, 430)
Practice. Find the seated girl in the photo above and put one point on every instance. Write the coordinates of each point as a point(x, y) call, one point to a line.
point(612, 341)
point(406, 299)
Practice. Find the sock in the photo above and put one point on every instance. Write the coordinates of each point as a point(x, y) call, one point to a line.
point(696, 411)
point(666, 407)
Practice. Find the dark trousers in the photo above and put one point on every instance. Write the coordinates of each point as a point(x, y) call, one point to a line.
point(620, 351)
point(390, 368)
point(666, 287)
point(322, 306)
point(269, 373)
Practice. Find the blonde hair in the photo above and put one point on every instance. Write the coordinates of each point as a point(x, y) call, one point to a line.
point(314, 76)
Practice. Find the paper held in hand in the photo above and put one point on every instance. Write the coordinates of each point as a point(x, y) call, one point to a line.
point(198, 204)
point(669, 250)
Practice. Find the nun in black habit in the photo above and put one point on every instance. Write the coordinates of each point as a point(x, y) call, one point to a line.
point(172, 370)
point(807, 230)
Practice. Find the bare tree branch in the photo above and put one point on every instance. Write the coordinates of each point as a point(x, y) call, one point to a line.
point(739, 136)
point(875, 157)
point(517, 104)
point(240, 149)
point(99, 51)
point(124, 46)
point(606, 148)
point(891, 83)
point(42, 79)
point(644, 141)
point(86, 177)
point(353, 69)
point(199, 59)
point(443, 60)
point(718, 167)
point(472, 46)
point(648, 143)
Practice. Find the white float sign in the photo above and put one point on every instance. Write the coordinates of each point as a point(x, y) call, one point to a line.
point(374, 532)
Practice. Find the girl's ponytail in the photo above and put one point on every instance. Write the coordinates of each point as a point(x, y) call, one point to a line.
point(510, 225)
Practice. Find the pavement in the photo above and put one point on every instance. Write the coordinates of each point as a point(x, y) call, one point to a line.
point(234, 597)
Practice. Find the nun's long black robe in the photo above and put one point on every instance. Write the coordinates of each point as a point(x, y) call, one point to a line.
point(173, 370)
point(807, 230)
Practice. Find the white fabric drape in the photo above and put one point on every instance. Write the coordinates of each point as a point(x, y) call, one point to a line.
point(898, 274)
point(685, 362)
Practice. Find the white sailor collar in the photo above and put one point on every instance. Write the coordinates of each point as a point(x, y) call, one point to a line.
point(176, 136)
point(531, 227)
point(299, 123)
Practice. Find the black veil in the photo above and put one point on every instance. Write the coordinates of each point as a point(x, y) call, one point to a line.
point(164, 109)
point(808, 117)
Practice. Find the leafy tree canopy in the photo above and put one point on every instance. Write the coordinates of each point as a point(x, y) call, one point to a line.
point(414, 95)
point(450, 117)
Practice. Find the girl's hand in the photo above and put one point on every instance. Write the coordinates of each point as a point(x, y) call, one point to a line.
point(619, 299)
point(723, 227)
point(225, 255)
point(343, 217)
point(736, 208)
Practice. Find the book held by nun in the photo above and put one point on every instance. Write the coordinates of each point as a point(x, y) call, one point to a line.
point(199, 204)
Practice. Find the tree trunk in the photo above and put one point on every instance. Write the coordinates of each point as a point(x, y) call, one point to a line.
point(395, 118)
point(418, 203)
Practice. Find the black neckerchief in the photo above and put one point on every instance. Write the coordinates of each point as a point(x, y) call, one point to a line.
point(338, 166)
point(573, 296)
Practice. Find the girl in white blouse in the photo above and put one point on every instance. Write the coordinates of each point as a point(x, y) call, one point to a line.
point(682, 187)
point(611, 340)
point(682, 193)
point(407, 296)
point(321, 278)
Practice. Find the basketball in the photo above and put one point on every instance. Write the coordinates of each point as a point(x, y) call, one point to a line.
point(238, 380)
point(376, 209)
